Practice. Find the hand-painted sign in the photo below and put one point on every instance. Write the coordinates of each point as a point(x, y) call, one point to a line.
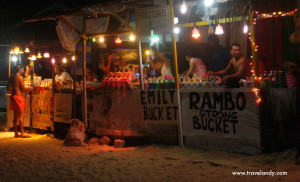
point(42, 110)
point(160, 106)
point(62, 107)
point(225, 119)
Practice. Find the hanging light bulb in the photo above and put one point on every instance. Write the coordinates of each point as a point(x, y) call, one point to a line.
point(195, 33)
point(94, 39)
point(101, 39)
point(176, 30)
point(154, 38)
point(219, 30)
point(118, 40)
point(176, 20)
point(208, 2)
point(16, 50)
point(147, 52)
point(183, 8)
point(64, 60)
point(14, 58)
point(46, 54)
point(39, 56)
point(131, 37)
point(73, 58)
point(53, 61)
point(33, 57)
point(246, 29)
point(27, 50)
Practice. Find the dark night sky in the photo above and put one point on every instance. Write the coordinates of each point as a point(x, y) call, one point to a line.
point(13, 14)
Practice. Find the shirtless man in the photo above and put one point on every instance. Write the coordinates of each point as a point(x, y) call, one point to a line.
point(17, 100)
point(238, 63)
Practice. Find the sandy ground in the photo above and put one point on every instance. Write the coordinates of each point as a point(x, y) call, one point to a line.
point(43, 158)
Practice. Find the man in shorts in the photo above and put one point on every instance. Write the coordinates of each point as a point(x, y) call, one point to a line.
point(17, 100)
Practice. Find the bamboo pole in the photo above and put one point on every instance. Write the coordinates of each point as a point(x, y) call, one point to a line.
point(175, 63)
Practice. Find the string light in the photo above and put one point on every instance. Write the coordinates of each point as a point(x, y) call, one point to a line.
point(274, 14)
point(64, 60)
point(73, 58)
point(132, 37)
point(101, 39)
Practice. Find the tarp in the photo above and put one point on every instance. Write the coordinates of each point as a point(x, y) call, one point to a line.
point(69, 37)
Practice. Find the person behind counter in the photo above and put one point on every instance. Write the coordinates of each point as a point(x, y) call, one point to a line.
point(17, 101)
point(240, 66)
point(197, 67)
point(220, 56)
point(62, 78)
point(165, 66)
point(107, 64)
point(90, 75)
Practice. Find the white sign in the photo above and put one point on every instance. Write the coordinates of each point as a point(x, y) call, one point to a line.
point(222, 119)
point(62, 107)
point(157, 19)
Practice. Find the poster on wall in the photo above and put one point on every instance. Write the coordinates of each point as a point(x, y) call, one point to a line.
point(114, 112)
point(63, 107)
point(222, 119)
point(156, 19)
point(2, 97)
point(41, 110)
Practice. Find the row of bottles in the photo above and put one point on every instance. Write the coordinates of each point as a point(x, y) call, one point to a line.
point(273, 79)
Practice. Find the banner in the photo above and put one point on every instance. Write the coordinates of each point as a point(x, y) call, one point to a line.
point(156, 18)
point(2, 97)
point(222, 119)
point(41, 110)
point(63, 107)
point(160, 106)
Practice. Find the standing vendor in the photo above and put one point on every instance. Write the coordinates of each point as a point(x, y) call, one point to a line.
point(62, 78)
point(240, 66)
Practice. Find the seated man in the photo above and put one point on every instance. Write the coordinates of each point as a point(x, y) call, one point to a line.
point(239, 64)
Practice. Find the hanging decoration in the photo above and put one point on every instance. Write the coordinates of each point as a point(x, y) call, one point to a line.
point(219, 30)
point(195, 33)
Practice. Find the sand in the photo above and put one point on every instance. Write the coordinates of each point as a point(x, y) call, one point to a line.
point(44, 158)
